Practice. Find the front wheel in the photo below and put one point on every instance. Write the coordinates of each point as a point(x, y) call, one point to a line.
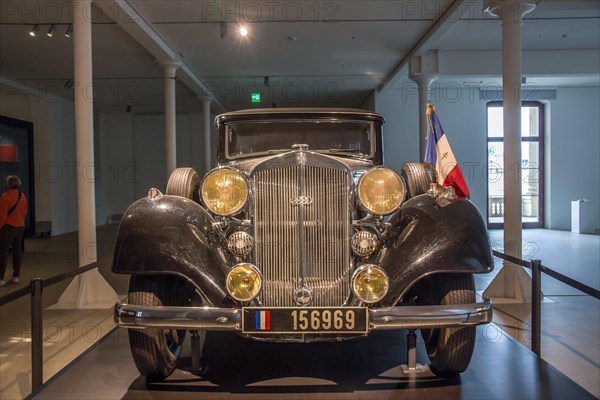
point(155, 351)
point(450, 349)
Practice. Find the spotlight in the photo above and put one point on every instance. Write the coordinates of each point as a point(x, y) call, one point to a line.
point(51, 31)
point(34, 30)
point(69, 30)
point(266, 81)
point(243, 31)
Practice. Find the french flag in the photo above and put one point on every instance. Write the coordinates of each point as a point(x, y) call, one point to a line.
point(263, 320)
point(439, 154)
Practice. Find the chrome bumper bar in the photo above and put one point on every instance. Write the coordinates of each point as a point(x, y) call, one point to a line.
point(229, 319)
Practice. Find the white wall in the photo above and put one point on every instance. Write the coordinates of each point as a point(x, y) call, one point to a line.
point(574, 154)
point(573, 142)
point(129, 156)
point(117, 168)
point(133, 156)
point(401, 129)
point(63, 191)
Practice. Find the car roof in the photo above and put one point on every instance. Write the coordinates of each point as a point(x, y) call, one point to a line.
point(284, 113)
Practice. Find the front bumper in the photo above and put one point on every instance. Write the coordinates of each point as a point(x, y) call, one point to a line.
point(230, 319)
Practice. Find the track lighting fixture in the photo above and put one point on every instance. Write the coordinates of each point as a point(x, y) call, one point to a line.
point(51, 30)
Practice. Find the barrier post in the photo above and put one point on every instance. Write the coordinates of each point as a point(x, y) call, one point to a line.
point(37, 335)
point(536, 307)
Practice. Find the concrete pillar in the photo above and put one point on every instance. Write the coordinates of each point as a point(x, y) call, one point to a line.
point(423, 70)
point(424, 82)
point(206, 124)
point(512, 284)
point(169, 69)
point(84, 133)
point(90, 289)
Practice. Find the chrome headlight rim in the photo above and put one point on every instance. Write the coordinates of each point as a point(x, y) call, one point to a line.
point(359, 271)
point(236, 210)
point(361, 181)
point(255, 270)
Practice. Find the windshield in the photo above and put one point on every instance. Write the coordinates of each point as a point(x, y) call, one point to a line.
point(253, 138)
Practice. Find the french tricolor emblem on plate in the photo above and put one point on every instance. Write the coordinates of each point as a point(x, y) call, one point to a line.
point(263, 320)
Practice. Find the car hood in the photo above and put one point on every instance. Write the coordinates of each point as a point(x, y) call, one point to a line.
point(248, 165)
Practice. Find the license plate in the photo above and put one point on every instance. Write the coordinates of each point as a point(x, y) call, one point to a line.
point(339, 320)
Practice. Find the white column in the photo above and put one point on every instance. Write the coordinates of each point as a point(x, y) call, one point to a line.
point(90, 289)
point(84, 132)
point(512, 284)
point(206, 123)
point(169, 69)
point(424, 82)
point(511, 101)
point(423, 69)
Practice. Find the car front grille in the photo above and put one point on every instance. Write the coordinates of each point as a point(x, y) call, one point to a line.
point(302, 229)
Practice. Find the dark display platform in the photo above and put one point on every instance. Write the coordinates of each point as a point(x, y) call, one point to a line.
point(371, 368)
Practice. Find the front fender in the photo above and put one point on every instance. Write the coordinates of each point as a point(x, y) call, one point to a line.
point(173, 235)
point(425, 238)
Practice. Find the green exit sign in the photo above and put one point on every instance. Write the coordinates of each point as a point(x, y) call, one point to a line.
point(256, 97)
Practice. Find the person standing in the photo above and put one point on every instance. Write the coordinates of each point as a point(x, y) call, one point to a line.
point(13, 210)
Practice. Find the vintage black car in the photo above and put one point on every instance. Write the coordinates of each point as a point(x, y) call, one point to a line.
point(299, 235)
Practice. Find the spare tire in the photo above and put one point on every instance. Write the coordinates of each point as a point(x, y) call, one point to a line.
point(184, 182)
point(418, 177)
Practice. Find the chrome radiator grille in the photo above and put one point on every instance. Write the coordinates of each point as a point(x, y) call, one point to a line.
point(313, 253)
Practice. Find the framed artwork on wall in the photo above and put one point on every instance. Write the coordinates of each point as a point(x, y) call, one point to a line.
point(16, 158)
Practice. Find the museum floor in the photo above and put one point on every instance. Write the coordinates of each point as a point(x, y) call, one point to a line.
point(570, 323)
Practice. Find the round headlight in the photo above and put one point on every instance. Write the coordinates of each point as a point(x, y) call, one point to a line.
point(370, 283)
point(224, 191)
point(381, 191)
point(243, 282)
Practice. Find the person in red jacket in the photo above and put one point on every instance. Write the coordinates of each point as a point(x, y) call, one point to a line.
point(13, 210)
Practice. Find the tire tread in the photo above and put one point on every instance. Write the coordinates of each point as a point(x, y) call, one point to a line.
point(451, 350)
point(184, 182)
point(417, 178)
point(148, 347)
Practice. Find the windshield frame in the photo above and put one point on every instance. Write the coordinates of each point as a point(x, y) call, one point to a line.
point(371, 132)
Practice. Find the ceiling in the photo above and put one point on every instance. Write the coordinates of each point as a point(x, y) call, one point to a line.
point(314, 53)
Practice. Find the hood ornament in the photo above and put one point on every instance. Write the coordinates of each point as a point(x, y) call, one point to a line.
point(303, 296)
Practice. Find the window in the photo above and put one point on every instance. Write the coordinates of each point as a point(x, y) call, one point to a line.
point(532, 164)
